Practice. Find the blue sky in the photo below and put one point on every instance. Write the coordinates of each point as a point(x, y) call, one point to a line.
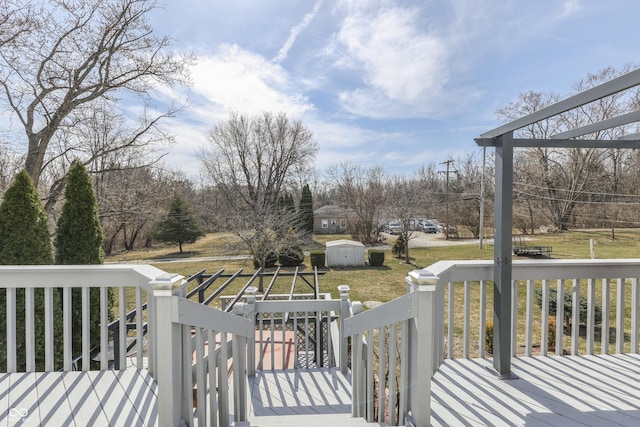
point(395, 83)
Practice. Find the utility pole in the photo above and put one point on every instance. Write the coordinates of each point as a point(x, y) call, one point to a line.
point(450, 169)
point(484, 161)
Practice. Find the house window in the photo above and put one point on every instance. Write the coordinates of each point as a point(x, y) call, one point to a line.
point(343, 223)
point(325, 223)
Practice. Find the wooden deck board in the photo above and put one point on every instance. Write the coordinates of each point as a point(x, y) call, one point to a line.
point(85, 404)
point(142, 397)
point(96, 398)
point(52, 400)
point(291, 392)
point(4, 399)
point(23, 397)
point(549, 391)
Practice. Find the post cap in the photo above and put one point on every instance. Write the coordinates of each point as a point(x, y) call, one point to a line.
point(166, 281)
point(420, 278)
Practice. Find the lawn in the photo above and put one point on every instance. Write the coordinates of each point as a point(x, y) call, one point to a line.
point(387, 282)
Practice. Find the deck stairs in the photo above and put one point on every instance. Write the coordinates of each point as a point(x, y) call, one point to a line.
point(315, 397)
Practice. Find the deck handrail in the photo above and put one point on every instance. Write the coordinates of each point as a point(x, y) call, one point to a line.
point(416, 314)
point(68, 277)
point(615, 280)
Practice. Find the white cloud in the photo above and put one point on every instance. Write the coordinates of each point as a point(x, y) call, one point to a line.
point(570, 7)
point(295, 31)
point(405, 65)
point(400, 60)
point(235, 79)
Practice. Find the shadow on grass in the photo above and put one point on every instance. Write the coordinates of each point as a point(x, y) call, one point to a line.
point(362, 268)
point(185, 255)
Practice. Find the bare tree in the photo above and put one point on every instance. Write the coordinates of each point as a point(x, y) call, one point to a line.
point(104, 141)
point(464, 197)
point(558, 180)
point(74, 53)
point(251, 162)
point(404, 199)
point(363, 190)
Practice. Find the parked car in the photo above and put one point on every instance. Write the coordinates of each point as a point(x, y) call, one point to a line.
point(428, 227)
point(394, 228)
point(452, 228)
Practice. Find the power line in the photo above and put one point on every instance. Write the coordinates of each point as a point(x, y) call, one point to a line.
point(583, 202)
point(449, 164)
point(590, 193)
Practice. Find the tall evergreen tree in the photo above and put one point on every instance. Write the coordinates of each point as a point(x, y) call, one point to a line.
point(24, 240)
point(24, 233)
point(79, 235)
point(305, 209)
point(290, 205)
point(78, 240)
point(179, 225)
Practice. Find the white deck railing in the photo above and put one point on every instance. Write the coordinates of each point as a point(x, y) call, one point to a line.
point(406, 356)
point(194, 347)
point(206, 349)
point(455, 307)
point(200, 348)
point(132, 284)
point(607, 285)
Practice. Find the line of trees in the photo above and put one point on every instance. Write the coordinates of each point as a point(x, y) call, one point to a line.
point(25, 240)
point(64, 71)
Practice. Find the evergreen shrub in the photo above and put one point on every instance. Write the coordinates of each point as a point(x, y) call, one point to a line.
point(376, 258)
point(290, 256)
point(317, 258)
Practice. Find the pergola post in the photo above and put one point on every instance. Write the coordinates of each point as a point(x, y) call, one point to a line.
point(503, 255)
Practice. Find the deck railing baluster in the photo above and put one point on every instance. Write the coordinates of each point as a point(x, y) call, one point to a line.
point(529, 319)
point(122, 329)
point(48, 330)
point(483, 319)
point(635, 319)
point(450, 322)
point(467, 318)
point(139, 330)
point(544, 319)
point(66, 326)
point(29, 328)
point(575, 315)
point(620, 309)
point(560, 317)
point(86, 334)
point(591, 315)
point(604, 328)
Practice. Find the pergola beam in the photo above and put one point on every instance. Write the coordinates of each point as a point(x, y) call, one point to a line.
point(616, 85)
point(566, 143)
point(622, 119)
point(502, 139)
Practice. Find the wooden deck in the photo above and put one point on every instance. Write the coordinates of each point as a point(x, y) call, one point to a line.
point(301, 397)
point(96, 398)
point(550, 391)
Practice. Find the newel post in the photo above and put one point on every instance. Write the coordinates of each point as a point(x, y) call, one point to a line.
point(239, 352)
point(421, 330)
point(250, 313)
point(168, 348)
point(345, 312)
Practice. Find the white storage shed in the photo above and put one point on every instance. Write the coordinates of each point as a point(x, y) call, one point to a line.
point(342, 253)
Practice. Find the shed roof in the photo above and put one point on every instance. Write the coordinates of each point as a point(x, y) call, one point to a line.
point(344, 242)
point(332, 210)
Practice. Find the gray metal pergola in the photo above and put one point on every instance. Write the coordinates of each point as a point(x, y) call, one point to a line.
point(504, 142)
